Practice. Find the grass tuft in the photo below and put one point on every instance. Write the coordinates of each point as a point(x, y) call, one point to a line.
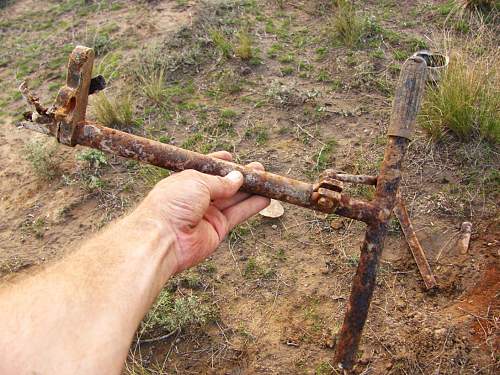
point(466, 102)
point(221, 43)
point(348, 25)
point(115, 113)
point(244, 48)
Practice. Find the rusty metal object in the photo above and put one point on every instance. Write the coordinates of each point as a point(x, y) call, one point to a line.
point(409, 93)
point(177, 159)
point(350, 178)
point(406, 105)
point(327, 192)
point(65, 120)
point(416, 249)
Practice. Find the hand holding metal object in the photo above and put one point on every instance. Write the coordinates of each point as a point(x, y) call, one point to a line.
point(66, 121)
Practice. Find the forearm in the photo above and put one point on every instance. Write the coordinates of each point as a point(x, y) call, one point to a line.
point(79, 315)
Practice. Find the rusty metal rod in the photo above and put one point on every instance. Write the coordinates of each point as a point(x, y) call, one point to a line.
point(416, 249)
point(177, 159)
point(406, 104)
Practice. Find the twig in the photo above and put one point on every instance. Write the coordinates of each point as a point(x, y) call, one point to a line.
point(160, 338)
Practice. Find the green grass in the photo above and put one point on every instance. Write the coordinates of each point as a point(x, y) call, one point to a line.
point(347, 24)
point(244, 47)
point(466, 101)
point(169, 313)
point(117, 113)
point(221, 43)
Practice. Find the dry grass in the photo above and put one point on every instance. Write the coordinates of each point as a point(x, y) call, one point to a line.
point(466, 102)
point(115, 113)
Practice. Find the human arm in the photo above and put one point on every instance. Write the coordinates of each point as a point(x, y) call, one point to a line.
point(80, 314)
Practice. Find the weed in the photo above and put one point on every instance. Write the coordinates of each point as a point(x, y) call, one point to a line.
point(347, 24)
point(152, 83)
point(95, 159)
point(115, 113)
point(286, 70)
point(229, 82)
point(286, 58)
point(244, 48)
point(169, 313)
point(258, 133)
point(108, 67)
point(324, 156)
point(43, 160)
point(465, 101)
point(221, 43)
point(251, 268)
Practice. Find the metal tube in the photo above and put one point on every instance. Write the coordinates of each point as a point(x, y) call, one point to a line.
point(177, 159)
point(406, 104)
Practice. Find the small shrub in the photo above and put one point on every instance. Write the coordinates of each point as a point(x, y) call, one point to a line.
point(115, 113)
point(244, 48)
point(169, 313)
point(42, 157)
point(347, 24)
point(465, 101)
point(221, 43)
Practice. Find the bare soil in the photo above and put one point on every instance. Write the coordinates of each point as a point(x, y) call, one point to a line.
point(279, 286)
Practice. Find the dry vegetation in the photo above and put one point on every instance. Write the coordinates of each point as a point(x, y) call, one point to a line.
point(300, 86)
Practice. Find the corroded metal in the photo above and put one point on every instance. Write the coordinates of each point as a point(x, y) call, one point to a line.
point(416, 249)
point(177, 159)
point(405, 107)
point(65, 120)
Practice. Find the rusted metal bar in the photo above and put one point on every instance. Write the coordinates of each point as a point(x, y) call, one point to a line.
point(406, 104)
point(416, 249)
point(351, 178)
point(177, 159)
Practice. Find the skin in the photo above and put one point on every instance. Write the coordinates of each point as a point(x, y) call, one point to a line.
point(79, 316)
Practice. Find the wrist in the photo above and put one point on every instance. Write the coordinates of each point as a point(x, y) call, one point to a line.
point(155, 241)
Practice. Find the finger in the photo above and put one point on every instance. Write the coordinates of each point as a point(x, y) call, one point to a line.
point(222, 187)
point(222, 204)
point(242, 211)
point(224, 155)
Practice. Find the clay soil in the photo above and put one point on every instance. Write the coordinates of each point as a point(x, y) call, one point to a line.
point(278, 287)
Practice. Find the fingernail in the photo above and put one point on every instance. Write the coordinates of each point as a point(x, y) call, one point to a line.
point(234, 176)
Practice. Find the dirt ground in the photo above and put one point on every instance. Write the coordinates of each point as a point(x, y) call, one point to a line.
point(278, 287)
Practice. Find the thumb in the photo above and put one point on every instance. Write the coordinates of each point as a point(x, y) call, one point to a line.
point(223, 187)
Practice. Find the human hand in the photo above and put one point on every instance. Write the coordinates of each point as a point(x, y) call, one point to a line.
point(200, 210)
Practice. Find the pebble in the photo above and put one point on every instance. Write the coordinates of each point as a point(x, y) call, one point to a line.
point(274, 226)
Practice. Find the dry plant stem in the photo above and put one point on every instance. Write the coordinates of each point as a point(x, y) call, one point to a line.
point(415, 247)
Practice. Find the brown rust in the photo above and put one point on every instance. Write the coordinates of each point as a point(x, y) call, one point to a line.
point(416, 249)
point(350, 178)
point(405, 107)
point(256, 182)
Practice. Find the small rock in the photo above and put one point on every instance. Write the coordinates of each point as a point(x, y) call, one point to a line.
point(274, 226)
